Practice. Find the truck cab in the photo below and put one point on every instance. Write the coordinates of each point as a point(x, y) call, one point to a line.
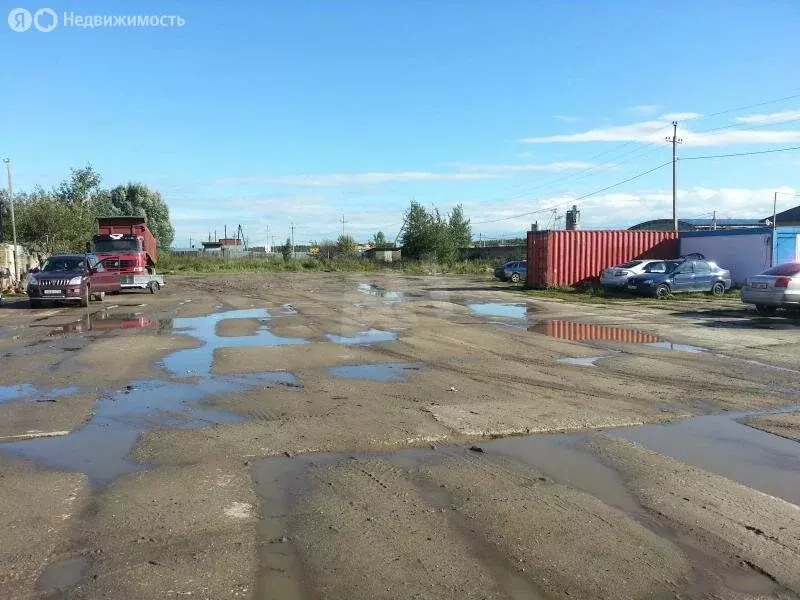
point(125, 244)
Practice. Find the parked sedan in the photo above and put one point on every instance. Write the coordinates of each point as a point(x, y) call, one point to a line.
point(664, 277)
point(515, 271)
point(778, 287)
point(617, 277)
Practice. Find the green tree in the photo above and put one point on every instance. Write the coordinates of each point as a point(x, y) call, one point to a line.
point(136, 199)
point(417, 232)
point(80, 186)
point(286, 249)
point(429, 234)
point(379, 239)
point(460, 229)
point(346, 246)
point(47, 224)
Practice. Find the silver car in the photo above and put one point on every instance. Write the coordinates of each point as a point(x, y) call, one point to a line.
point(778, 287)
point(617, 277)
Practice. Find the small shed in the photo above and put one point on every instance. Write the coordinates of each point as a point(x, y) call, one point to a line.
point(383, 254)
point(744, 252)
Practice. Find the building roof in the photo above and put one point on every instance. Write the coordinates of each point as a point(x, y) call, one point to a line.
point(793, 214)
point(696, 224)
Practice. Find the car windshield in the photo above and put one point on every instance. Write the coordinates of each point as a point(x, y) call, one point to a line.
point(63, 263)
point(662, 266)
point(107, 245)
point(784, 270)
point(630, 265)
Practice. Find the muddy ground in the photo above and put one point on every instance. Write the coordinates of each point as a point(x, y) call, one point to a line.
point(354, 436)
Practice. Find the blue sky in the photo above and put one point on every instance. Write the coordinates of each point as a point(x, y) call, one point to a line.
point(272, 112)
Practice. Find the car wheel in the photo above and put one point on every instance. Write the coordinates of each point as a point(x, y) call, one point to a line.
point(85, 296)
point(662, 291)
point(515, 278)
point(34, 304)
point(718, 289)
point(100, 296)
point(763, 309)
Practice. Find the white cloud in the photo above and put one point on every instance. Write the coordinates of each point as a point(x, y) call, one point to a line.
point(340, 179)
point(680, 116)
point(656, 130)
point(554, 167)
point(625, 209)
point(644, 110)
point(778, 117)
point(567, 118)
point(646, 131)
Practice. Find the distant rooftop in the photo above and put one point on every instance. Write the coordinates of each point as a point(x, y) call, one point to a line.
point(697, 224)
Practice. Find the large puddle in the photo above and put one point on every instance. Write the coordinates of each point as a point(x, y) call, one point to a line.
point(198, 361)
point(27, 392)
point(102, 321)
point(382, 294)
point(376, 372)
point(101, 448)
point(363, 338)
point(500, 309)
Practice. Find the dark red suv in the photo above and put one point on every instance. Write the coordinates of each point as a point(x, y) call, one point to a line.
point(71, 277)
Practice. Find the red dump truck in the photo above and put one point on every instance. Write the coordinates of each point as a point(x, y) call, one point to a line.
point(126, 244)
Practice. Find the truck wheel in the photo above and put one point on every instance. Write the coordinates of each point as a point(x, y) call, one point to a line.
point(85, 297)
point(763, 309)
point(154, 287)
point(100, 296)
point(515, 278)
point(34, 303)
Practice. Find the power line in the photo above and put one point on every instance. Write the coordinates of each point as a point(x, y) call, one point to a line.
point(756, 105)
point(590, 194)
point(741, 153)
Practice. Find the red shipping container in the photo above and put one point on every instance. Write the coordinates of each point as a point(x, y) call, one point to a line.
point(569, 258)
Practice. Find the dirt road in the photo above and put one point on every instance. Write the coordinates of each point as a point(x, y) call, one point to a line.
point(354, 436)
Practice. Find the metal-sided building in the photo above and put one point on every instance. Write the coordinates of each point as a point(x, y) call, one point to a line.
point(744, 252)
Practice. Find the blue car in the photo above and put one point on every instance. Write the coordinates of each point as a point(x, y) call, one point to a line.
point(664, 277)
point(514, 271)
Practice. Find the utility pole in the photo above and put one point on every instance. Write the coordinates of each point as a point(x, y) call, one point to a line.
point(13, 222)
point(343, 222)
point(675, 141)
point(294, 255)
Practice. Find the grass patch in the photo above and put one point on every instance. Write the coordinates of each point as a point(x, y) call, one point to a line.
point(593, 294)
point(250, 264)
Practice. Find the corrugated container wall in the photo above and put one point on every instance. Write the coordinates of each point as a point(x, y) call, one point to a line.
point(568, 258)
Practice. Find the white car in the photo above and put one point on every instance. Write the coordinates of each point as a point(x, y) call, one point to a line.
point(778, 287)
point(617, 277)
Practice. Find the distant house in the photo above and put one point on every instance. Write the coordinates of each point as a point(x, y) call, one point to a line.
point(787, 218)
